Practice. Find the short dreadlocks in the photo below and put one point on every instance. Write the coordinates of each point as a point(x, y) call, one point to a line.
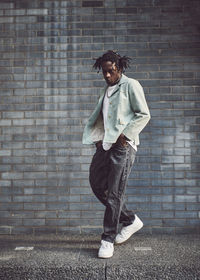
point(122, 62)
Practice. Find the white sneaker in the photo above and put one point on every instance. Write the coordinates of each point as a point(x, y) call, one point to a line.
point(106, 250)
point(127, 231)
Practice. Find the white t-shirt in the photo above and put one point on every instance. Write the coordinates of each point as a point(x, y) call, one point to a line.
point(109, 91)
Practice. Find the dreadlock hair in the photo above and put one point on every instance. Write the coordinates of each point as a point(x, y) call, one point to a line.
point(121, 62)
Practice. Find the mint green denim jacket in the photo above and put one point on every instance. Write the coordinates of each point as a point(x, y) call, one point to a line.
point(128, 113)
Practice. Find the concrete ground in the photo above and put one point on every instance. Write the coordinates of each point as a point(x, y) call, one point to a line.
point(72, 257)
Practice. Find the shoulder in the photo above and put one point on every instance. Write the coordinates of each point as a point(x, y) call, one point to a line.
point(130, 81)
point(133, 85)
point(133, 82)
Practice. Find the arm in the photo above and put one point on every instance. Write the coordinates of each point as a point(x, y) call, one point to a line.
point(140, 109)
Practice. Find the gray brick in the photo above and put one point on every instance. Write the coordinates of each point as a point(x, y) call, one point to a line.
point(45, 214)
point(7, 5)
point(15, 12)
point(161, 230)
point(173, 206)
point(34, 206)
point(5, 229)
point(5, 168)
point(186, 214)
point(138, 198)
point(185, 183)
point(193, 222)
point(78, 206)
point(21, 230)
point(44, 230)
point(28, 152)
point(162, 182)
point(23, 137)
point(5, 152)
point(23, 122)
point(58, 114)
point(34, 175)
point(4, 183)
point(185, 198)
point(56, 222)
point(92, 3)
point(11, 206)
point(8, 115)
point(175, 222)
point(57, 206)
point(69, 214)
point(37, 11)
point(88, 198)
point(6, 19)
point(67, 198)
point(192, 206)
point(34, 222)
point(11, 222)
point(164, 214)
point(29, 191)
point(23, 198)
point(25, 214)
point(26, 19)
point(5, 198)
point(69, 230)
point(12, 175)
point(173, 159)
point(12, 85)
point(162, 198)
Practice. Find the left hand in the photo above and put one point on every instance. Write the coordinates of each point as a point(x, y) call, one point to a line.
point(122, 140)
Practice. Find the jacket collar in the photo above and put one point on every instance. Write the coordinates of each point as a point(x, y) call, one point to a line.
point(123, 80)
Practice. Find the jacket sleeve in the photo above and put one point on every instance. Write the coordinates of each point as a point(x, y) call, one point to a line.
point(87, 137)
point(140, 110)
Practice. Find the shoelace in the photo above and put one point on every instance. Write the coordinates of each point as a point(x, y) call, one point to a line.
point(106, 245)
point(124, 231)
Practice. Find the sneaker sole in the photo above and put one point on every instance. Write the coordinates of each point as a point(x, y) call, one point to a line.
point(105, 257)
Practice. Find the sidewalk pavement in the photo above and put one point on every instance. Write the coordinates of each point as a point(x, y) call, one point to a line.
point(74, 257)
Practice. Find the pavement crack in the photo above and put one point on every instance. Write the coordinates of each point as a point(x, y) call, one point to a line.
point(105, 271)
point(79, 253)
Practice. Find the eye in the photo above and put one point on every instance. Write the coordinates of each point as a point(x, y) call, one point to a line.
point(109, 71)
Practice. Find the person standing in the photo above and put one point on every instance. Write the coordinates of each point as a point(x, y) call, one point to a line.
point(114, 126)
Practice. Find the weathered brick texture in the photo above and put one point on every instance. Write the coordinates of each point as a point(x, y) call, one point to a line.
point(48, 89)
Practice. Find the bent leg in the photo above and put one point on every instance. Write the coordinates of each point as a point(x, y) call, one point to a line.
point(127, 216)
point(120, 163)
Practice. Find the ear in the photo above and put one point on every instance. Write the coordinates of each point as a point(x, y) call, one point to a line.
point(119, 70)
point(114, 67)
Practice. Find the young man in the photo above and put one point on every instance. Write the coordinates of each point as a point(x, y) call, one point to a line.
point(114, 126)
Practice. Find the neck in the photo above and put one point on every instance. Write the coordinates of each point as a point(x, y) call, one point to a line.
point(116, 82)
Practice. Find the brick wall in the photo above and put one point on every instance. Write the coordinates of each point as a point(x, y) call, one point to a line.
point(48, 89)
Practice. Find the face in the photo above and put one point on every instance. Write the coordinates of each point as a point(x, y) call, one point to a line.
point(110, 72)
